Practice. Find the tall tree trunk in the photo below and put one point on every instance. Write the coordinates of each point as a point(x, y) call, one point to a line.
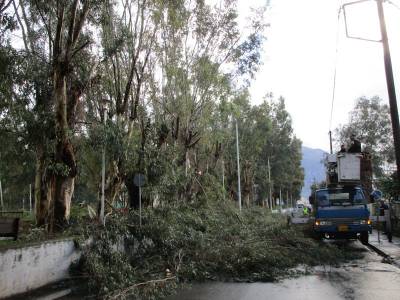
point(63, 179)
point(40, 194)
point(113, 188)
point(114, 181)
point(247, 185)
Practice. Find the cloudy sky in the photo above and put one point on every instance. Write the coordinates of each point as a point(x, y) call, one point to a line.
point(299, 61)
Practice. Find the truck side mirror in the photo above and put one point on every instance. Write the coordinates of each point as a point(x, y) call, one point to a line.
point(311, 200)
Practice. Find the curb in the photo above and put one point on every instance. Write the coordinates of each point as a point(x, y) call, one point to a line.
point(387, 257)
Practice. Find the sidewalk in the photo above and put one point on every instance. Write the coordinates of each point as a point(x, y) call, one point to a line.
point(391, 249)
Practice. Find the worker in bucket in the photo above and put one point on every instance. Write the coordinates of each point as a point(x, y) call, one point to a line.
point(355, 146)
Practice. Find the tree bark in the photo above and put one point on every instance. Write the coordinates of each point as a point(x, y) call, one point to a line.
point(40, 195)
point(61, 181)
point(62, 187)
point(113, 187)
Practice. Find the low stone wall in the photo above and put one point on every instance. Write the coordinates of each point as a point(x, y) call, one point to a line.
point(27, 268)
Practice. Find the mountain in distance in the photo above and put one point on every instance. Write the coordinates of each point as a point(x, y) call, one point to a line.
point(314, 169)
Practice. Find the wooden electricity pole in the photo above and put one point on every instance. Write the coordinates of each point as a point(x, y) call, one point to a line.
point(394, 114)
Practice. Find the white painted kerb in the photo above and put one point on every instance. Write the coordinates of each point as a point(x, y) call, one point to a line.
point(27, 268)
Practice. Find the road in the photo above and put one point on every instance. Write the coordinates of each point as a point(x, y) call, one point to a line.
point(367, 278)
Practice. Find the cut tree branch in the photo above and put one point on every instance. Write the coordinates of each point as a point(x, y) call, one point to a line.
point(128, 290)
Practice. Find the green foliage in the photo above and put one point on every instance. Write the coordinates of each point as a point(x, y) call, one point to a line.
point(390, 186)
point(265, 133)
point(196, 242)
point(370, 122)
point(59, 169)
point(170, 74)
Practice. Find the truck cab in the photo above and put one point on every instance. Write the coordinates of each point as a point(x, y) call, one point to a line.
point(341, 209)
point(341, 212)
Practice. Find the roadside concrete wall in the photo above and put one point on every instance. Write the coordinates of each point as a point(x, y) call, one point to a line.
point(26, 268)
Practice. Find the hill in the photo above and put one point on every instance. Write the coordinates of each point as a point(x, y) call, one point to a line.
point(313, 168)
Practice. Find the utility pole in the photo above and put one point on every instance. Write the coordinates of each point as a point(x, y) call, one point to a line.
point(287, 198)
point(1, 197)
point(394, 114)
point(223, 178)
point(140, 205)
point(103, 172)
point(238, 166)
point(269, 183)
point(30, 198)
point(291, 199)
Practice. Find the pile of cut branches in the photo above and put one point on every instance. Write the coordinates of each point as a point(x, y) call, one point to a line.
point(181, 243)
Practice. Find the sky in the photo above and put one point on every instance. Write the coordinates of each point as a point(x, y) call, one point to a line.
point(299, 61)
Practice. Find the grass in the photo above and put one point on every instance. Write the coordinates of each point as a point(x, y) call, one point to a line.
point(29, 234)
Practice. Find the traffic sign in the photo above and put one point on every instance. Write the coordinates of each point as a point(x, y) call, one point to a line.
point(139, 180)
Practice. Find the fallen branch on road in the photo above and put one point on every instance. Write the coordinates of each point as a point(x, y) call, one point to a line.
point(198, 243)
point(127, 291)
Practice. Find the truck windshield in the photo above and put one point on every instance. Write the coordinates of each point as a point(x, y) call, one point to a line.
point(340, 197)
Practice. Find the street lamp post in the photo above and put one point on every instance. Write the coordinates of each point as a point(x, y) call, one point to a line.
point(103, 168)
point(238, 166)
point(223, 178)
point(269, 185)
point(30, 198)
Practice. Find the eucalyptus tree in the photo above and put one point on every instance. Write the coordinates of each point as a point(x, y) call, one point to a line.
point(24, 82)
point(166, 70)
point(7, 22)
point(56, 44)
point(170, 77)
point(254, 130)
point(283, 150)
point(128, 33)
point(200, 51)
point(265, 134)
point(296, 172)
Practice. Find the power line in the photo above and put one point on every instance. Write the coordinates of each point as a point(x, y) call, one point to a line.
point(394, 4)
point(335, 68)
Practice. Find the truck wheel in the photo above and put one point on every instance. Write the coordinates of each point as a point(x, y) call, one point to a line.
point(364, 237)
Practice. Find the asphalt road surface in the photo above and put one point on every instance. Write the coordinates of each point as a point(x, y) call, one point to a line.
point(368, 278)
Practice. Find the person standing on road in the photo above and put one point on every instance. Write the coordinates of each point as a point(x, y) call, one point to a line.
point(384, 212)
point(305, 211)
point(382, 207)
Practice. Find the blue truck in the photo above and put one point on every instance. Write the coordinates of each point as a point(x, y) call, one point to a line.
point(340, 209)
point(341, 212)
